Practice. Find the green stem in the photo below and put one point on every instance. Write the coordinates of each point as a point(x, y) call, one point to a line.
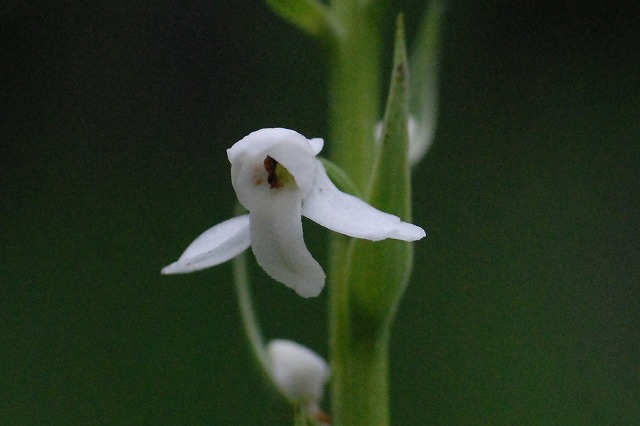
point(359, 363)
point(339, 331)
point(301, 418)
point(355, 88)
point(249, 320)
point(359, 384)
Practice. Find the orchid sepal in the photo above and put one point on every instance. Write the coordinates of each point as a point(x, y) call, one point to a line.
point(214, 246)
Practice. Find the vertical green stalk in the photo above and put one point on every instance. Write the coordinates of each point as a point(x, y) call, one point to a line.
point(359, 361)
point(354, 97)
point(366, 279)
point(378, 272)
point(249, 320)
point(245, 304)
point(359, 384)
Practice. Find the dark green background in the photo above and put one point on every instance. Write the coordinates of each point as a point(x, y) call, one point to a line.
point(525, 303)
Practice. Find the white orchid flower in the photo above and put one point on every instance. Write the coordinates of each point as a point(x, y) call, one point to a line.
point(278, 179)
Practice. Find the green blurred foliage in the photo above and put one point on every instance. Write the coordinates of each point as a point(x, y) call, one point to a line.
point(114, 119)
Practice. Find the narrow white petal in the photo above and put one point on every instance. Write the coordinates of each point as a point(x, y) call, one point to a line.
point(216, 245)
point(348, 215)
point(277, 242)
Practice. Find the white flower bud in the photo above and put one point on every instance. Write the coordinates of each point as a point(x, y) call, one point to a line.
point(420, 138)
point(298, 372)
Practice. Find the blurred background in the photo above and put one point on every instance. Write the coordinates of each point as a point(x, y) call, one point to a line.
point(524, 307)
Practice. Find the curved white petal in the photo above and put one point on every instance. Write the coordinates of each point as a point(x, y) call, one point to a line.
point(214, 246)
point(346, 214)
point(278, 244)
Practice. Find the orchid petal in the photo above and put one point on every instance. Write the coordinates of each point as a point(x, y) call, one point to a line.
point(214, 246)
point(278, 244)
point(348, 215)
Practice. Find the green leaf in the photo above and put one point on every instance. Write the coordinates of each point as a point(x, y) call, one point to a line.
point(379, 271)
point(425, 68)
point(311, 16)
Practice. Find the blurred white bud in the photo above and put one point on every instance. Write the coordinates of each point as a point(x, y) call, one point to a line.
point(420, 137)
point(298, 372)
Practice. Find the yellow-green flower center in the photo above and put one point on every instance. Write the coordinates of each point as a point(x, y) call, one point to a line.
point(278, 176)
